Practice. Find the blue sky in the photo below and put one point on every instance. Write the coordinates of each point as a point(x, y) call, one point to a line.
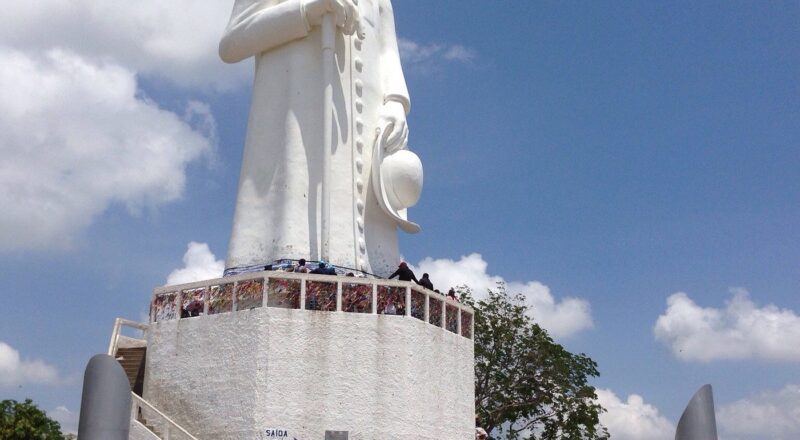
point(600, 157)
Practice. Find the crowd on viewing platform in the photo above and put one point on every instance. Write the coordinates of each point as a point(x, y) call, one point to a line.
point(358, 299)
point(401, 294)
point(403, 272)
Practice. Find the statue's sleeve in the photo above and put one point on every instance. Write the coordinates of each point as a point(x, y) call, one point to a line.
point(393, 81)
point(260, 25)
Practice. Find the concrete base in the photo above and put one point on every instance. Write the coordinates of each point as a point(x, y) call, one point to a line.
point(257, 374)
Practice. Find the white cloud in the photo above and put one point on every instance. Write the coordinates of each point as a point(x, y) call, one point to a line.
point(561, 318)
point(199, 264)
point(425, 58)
point(75, 132)
point(14, 371)
point(176, 40)
point(740, 330)
point(773, 415)
point(76, 136)
point(633, 419)
point(459, 53)
point(66, 418)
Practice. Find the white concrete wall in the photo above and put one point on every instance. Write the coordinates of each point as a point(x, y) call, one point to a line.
point(234, 375)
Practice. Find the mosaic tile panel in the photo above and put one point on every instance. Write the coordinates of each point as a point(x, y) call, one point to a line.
point(466, 325)
point(391, 300)
point(451, 318)
point(220, 299)
point(249, 294)
point(435, 312)
point(283, 293)
point(321, 296)
point(163, 308)
point(194, 302)
point(357, 298)
point(418, 305)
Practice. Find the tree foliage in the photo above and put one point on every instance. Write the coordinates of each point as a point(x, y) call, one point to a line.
point(25, 421)
point(526, 386)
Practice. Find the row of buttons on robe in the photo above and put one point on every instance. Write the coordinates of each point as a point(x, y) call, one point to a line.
point(358, 64)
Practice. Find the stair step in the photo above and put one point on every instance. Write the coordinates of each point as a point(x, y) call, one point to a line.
point(132, 360)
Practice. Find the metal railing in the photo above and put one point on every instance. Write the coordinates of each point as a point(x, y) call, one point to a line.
point(156, 421)
point(301, 291)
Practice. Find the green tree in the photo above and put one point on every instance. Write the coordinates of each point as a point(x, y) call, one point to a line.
point(527, 386)
point(25, 421)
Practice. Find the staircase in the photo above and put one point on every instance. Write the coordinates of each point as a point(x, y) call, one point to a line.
point(131, 353)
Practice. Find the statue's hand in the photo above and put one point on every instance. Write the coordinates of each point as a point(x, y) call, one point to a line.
point(393, 122)
point(345, 13)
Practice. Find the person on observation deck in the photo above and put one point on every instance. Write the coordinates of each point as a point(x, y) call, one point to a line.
point(425, 282)
point(301, 266)
point(403, 273)
point(324, 269)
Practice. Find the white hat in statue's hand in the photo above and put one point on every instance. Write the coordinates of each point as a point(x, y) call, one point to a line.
point(397, 180)
point(402, 179)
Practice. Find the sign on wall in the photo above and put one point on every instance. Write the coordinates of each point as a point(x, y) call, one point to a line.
point(276, 433)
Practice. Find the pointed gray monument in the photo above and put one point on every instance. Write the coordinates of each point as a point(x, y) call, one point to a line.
point(106, 401)
point(698, 421)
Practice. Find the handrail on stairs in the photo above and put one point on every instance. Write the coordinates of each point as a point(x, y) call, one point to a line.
point(112, 345)
point(138, 403)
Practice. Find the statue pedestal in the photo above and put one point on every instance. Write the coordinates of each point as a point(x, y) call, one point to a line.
point(268, 372)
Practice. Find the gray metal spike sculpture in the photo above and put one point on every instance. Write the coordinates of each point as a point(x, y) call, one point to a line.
point(698, 421)
point(106, 401)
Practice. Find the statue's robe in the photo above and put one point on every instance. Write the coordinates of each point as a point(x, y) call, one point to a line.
point(278, 203)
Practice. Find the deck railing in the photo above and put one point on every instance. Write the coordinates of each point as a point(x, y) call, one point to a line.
point(115, 333)
point(314, 293)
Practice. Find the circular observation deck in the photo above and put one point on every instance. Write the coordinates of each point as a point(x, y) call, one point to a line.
point(312, 293)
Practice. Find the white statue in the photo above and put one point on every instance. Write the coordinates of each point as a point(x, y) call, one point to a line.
point(302, 194)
